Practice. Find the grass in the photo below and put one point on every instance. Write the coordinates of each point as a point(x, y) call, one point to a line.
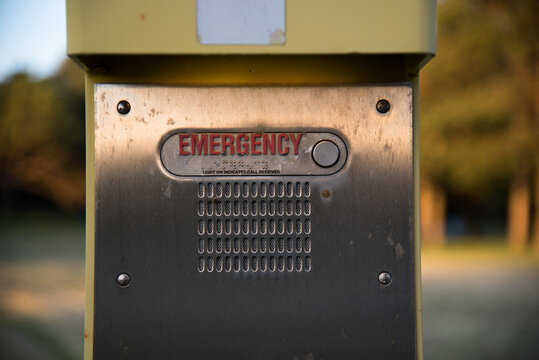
point(28, 339)
point(41, 288)
point(480, 300)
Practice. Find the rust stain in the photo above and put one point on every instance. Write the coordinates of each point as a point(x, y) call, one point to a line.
point(142, 17)
point(86, 334)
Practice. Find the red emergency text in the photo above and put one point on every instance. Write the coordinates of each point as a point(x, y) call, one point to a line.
point(239, 144)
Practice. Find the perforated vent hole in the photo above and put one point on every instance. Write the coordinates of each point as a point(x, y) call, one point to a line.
point(271, 189)
point(201, 191)
point(201, 208)
point(201, 247)
point(201, 264)
point(308, 263)
point(289, 263)
point(289, 245)
point(289, 189)
point(218, 208)
point(218, 264)
point(289, 208)
point(280, 263)
point(280, 189)
point(281, 245)
point(298, 189)
point(218, 227)
point(272, 245)
point(218, 245)
point(209, 264)
point(218, 190)
point(209, 189)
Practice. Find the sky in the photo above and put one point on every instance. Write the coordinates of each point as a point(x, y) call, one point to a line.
point(32, 36)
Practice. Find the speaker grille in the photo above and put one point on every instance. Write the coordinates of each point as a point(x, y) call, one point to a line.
point(254, 226)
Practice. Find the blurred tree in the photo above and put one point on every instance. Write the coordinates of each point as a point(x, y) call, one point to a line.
point(479, 104)
point(42, 137)
point(433, 213)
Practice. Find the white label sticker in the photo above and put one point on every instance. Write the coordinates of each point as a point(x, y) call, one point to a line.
point(241, 22)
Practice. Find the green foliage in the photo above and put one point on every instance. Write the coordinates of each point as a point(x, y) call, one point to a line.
point(42, 136)
point(478, 95)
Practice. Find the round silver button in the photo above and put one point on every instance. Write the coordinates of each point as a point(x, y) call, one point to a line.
point(326, 153)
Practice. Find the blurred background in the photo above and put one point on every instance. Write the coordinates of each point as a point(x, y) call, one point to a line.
point(479, 183)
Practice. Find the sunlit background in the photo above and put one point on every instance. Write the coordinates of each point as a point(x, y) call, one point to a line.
point(479, 183)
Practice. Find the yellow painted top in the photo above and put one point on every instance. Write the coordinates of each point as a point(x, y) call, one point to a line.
point(169, 27)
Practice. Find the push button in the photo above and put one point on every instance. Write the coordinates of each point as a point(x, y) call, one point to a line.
point(326, 153)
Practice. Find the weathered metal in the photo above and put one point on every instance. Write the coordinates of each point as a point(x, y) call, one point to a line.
point(306, 285)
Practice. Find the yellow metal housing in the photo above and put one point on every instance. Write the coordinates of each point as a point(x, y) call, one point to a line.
point(168, 27)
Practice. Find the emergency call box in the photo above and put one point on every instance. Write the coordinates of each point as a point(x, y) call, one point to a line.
point(254, 222)
point(252, 177)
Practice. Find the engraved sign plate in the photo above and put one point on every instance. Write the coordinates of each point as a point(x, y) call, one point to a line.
point(242, 153)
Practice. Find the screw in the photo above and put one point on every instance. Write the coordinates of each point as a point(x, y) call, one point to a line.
point(123, 280)
point(383, 106)
point(123, 107)
point(384, 278)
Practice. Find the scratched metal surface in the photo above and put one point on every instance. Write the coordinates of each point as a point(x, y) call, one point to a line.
point(147, 221)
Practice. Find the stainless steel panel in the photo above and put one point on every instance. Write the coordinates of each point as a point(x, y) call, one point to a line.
point(154, 226)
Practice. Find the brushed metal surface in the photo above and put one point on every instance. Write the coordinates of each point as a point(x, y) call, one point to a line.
point(147, 225)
